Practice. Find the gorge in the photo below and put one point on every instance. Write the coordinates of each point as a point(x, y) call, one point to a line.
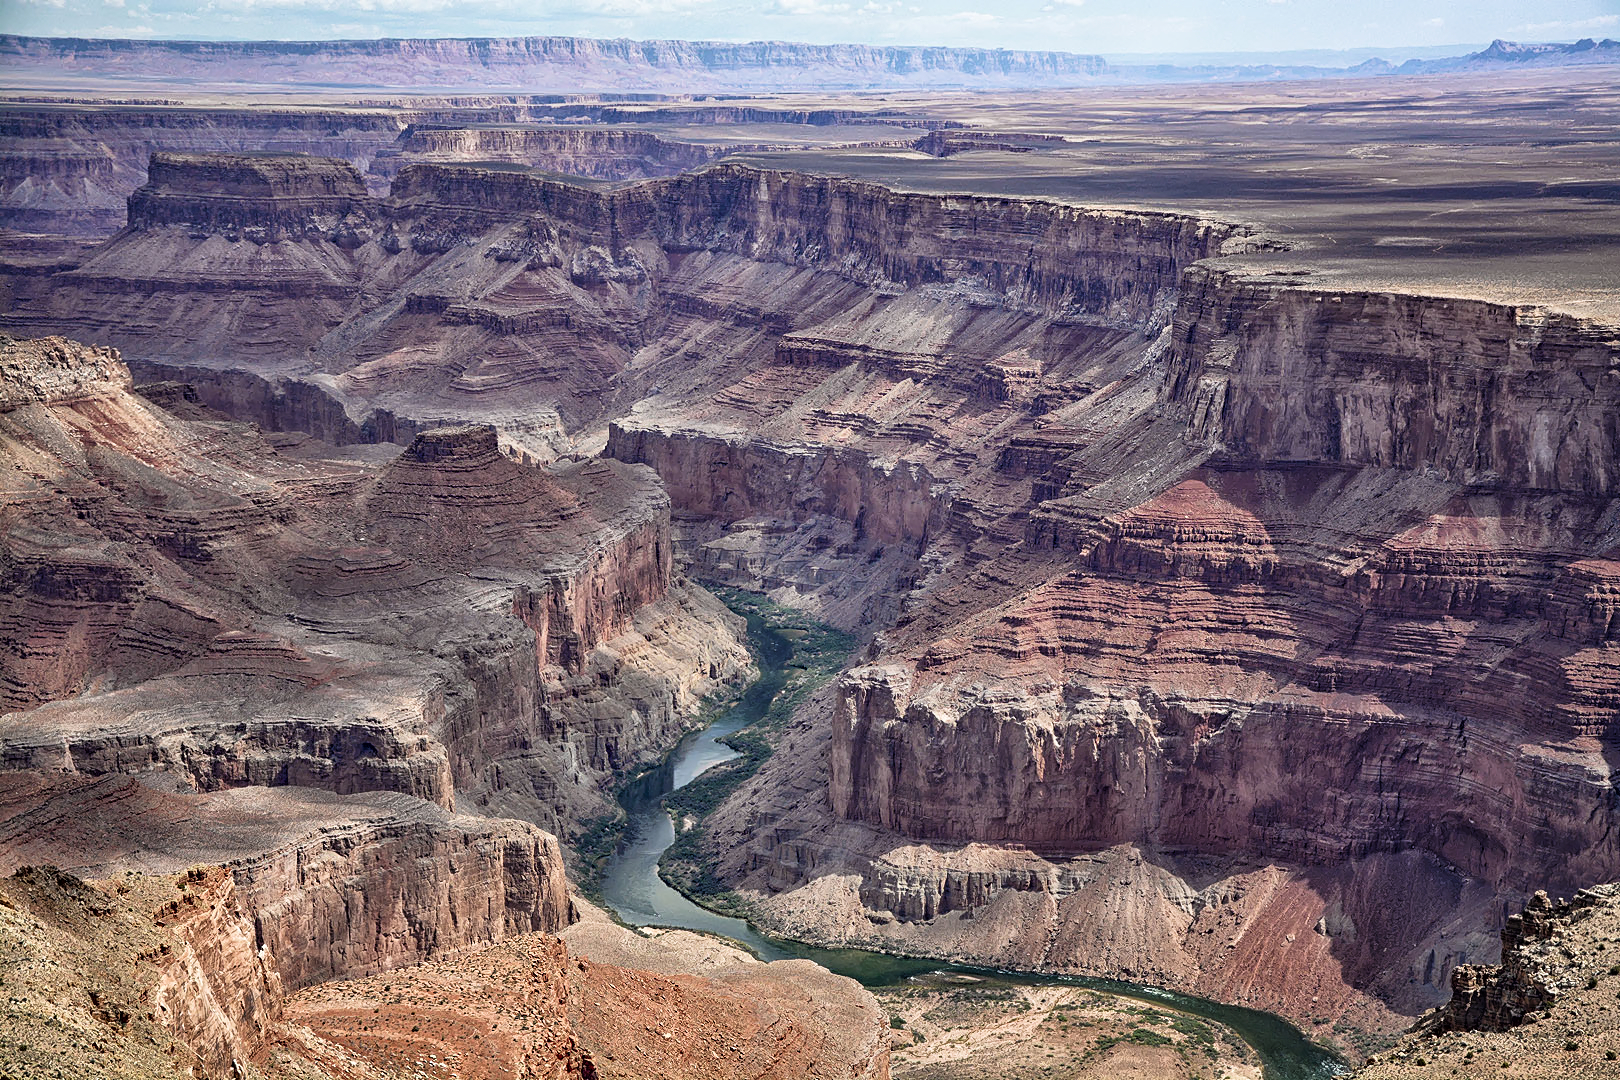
point(1234, 575)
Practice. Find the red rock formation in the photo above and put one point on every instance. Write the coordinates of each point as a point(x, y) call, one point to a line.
point(582, 662)
point(322, 891)
point(331, 885)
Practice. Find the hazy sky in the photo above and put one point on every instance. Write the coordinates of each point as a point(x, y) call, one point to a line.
point(1102, 26)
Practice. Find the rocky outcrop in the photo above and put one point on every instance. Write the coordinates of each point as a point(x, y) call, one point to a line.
point(382, 895)
point(599, 153)
point(1547, 1006)
point(1532, 974)
point(260, 197)
point(317, 887)
point(219, 991)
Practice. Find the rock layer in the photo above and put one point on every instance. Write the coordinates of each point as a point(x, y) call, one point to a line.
point(331, 885)
point(1166, 577)
point(549, 648)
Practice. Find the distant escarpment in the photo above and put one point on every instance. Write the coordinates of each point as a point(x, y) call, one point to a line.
point(1112, 265)
point(567, 64)
point(70, 170)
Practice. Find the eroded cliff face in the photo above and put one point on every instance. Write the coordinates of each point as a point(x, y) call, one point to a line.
point(599, 153)
point(1489, 395)
point(348, 933)
point(1117, 266)
point(149, 978)
point(244, 897)
point(484, 625)
point(258, 197)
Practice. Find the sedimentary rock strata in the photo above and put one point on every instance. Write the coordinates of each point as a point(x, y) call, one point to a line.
point(1266, 625)
point(331, 885)
point(599, 153)
point(189, 600)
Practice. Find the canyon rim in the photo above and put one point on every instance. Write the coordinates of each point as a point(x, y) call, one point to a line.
point(1173, 511)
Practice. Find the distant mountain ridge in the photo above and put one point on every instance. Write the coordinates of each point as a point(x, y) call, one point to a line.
point(593, 65)
point(1499, 53)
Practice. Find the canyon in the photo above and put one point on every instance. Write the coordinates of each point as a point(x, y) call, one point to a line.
point(1235, 574)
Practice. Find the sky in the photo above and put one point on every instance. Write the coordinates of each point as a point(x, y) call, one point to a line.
point(1088, 26)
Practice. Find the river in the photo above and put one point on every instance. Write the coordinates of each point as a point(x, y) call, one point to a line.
point(632, 888)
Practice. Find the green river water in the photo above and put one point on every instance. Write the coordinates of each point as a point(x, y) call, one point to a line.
point(633, 889)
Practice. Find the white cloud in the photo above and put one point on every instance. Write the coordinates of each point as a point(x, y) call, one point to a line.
point(814, 8)
point(970, 18)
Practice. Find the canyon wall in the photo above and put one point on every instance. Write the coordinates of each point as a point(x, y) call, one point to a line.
point(1198, 586)
point(729, 477)
point(1494, 396)
point(1115, 266)
point(255, 893)
point(598, 153)
point(485, 626)
point(386, 895)
point(261, 196)
point(343, 932)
